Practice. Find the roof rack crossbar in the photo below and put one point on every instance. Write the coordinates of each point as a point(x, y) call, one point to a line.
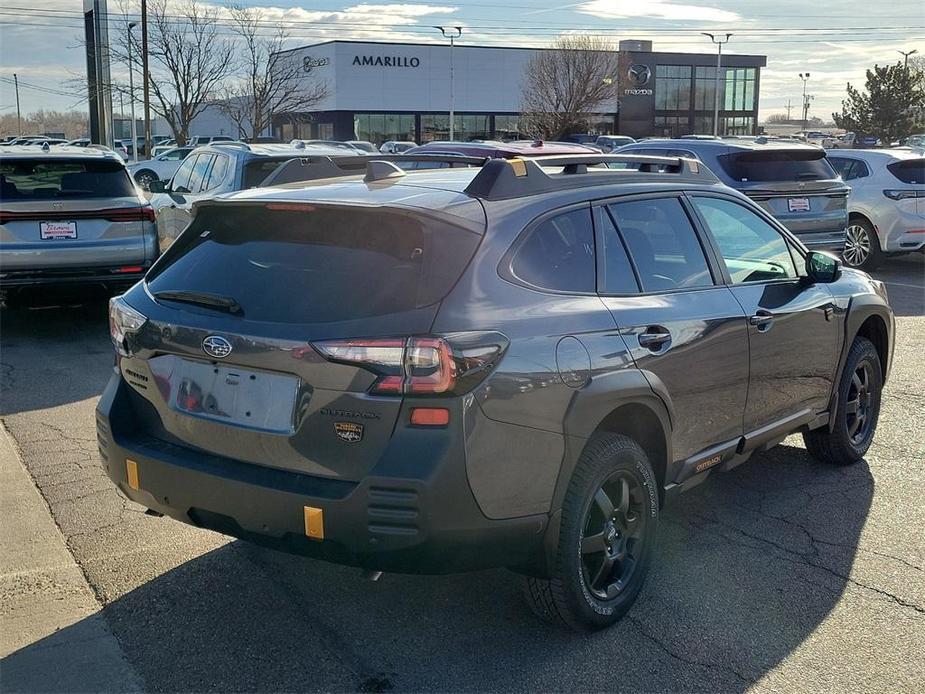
point(310, 167)
point(500, 179)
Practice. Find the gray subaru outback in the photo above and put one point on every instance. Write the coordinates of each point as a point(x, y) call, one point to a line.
point(507, 365)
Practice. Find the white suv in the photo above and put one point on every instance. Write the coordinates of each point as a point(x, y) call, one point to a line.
point(886, 207)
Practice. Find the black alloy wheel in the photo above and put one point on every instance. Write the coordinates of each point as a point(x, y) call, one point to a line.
point(613, 533)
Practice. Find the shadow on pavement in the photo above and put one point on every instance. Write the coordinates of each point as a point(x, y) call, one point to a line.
point(54, 349)
point(749, 565)
point(905, 283)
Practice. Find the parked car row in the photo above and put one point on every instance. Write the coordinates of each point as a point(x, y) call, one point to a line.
point(861, 204)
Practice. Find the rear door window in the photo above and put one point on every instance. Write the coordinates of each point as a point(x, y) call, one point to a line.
point(558, 254)
point(56, 179)
point(316, 264)
point(662, 244)
point(777, 165)
point(617, 276)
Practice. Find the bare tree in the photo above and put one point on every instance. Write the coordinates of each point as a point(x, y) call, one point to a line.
point(190, 57)
point(270, 81)
point(564, 87)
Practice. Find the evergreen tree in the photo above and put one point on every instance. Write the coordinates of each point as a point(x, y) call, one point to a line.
point(890, 105)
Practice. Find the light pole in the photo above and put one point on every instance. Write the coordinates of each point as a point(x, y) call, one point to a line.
point(905, 55)
point(805, 77)
point(131, 92)
point(144, 76)
point(719, 62)
point(454, 33)
point(18, 114)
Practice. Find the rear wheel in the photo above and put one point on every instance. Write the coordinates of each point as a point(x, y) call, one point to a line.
point(855, 417)
point(862, 245)
point(609, 523)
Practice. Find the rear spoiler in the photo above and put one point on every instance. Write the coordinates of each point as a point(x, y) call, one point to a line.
point(321, 166)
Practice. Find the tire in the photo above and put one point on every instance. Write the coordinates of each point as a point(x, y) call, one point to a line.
point(862, 245)
point(145, 178)
point(857, 411)
point(572, 597)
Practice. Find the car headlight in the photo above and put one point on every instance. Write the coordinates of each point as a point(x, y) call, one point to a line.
point(123, 321)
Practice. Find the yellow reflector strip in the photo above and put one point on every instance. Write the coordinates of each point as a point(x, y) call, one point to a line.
point(314, 523)
point(519, 166)
point(131, 469)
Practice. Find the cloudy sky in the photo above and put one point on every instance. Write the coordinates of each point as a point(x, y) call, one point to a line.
point(834, 41)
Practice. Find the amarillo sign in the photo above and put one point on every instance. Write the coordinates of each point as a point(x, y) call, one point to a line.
point(386, 61)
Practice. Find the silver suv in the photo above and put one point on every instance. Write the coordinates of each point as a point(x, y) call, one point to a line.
point(71, 215)
point(222, 167)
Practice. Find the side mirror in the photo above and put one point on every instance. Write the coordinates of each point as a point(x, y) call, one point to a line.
point(157, 186)
point(822, 267)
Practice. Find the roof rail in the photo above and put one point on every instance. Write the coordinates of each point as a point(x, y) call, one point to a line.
point(319, 166)
point(511, 178)
point(228, 143)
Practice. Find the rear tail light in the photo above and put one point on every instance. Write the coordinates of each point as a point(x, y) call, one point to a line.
point(448, 364)
point(124, 321)
point(142, 213)
point(904, 194)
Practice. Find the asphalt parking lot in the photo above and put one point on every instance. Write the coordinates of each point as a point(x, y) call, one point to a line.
point(781, 575)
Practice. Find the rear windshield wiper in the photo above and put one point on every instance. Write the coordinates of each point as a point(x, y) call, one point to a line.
point(216, 301)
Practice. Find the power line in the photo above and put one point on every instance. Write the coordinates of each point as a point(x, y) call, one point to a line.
point(675, 40)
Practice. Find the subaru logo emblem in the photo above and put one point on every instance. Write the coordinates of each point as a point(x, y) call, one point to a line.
point(216, 346)
point(640, 74)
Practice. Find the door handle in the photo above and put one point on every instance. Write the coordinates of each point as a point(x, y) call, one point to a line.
point(762, 318)
point(654, 337)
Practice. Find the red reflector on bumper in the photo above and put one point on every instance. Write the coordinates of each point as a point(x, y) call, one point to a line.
point(131, 268)
point(916, 231)
point(430, 416)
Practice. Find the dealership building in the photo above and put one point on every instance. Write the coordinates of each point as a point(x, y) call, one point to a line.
point(401, 91)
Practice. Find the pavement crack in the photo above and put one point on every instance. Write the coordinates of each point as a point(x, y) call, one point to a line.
point(688, 661)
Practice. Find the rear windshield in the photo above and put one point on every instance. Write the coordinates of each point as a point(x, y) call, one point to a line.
point(909, 170)
point(778, 165)
point(258, 169)
point(37, 179)
point(318, 264)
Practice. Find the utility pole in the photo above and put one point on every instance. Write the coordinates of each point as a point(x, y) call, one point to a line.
point(905, 55)
point(145, 77)
point(131, 93)
point(456, 32)
point(789, 107)
point(719, 62)
point(18, 114)
point(805, 77)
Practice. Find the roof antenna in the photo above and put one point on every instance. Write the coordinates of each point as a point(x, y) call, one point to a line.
point(378, 170)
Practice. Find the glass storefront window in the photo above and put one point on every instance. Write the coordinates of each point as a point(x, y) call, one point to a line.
point(672, 126)
point(672, 87)
point(466, 126)
point(736, 88)
point(380, 127)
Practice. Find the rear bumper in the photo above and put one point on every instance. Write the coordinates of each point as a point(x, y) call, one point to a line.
point(833, 241)
point(404, 516)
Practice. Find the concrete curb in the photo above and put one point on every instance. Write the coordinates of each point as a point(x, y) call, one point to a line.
point(52, 634)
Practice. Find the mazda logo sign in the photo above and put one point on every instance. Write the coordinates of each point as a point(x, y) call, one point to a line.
point(216, 346)
point(639, 74)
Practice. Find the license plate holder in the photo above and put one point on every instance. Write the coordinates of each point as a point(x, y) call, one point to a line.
point(231, 395)
point(51, 231)
point(798, 204)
